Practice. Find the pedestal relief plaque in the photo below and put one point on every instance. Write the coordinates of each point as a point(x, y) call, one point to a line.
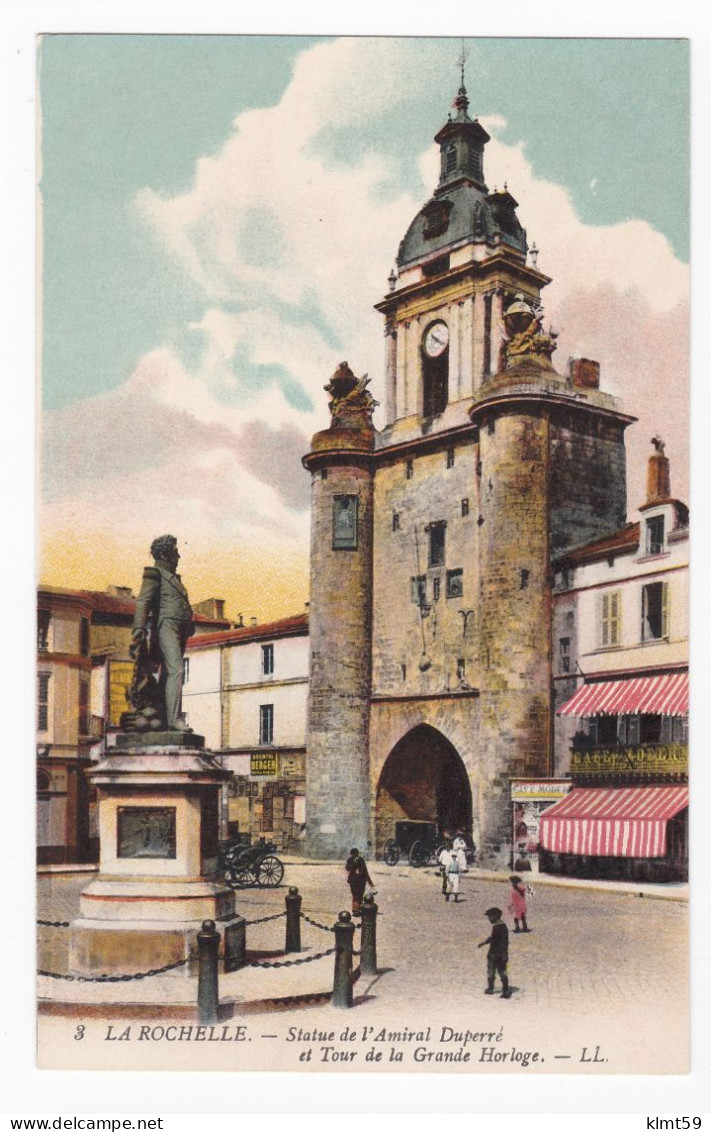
point(144, 831)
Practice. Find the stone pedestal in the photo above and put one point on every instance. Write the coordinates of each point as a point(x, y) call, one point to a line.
point(158, 801)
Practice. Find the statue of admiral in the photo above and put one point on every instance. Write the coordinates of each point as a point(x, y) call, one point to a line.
point(162, 623)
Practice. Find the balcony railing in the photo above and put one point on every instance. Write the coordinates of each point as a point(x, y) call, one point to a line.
point(651, 758)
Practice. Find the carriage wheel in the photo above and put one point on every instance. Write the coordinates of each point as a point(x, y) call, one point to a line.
point(270, 872)
point(419, 854)
point(391, 853)
point(239, 876)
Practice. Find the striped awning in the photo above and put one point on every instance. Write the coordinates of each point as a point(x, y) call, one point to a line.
point(639, 695)
point(624, 821)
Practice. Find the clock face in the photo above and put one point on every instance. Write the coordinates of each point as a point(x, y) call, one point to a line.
point(436, 339)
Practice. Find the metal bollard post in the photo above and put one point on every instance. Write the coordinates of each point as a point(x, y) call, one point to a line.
point(343, 967)
point(293, 920)
point(368, 956)
point(208, 996)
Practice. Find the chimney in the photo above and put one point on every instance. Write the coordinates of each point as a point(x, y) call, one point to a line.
point(584, 373)
point(658, 477)
point(213, 607)
point(253, 622)
point(120, 591)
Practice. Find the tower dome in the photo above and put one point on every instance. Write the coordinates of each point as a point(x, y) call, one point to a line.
point(462, 210)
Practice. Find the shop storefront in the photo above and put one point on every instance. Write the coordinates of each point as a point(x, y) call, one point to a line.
point(530, 799)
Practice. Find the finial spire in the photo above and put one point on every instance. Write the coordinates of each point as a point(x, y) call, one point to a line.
point(463, 56)
point(461, 102)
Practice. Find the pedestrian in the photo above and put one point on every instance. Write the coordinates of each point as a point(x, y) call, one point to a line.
point(459, 848)
point(516, 904)
point(450, 872)
point(497, 956)
point(358, 878)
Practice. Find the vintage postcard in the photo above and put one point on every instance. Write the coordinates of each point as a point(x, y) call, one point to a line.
point(362, 607)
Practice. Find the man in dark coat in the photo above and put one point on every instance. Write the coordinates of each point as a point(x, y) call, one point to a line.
point(358, 877)
point(497, 956)
point(163, 603)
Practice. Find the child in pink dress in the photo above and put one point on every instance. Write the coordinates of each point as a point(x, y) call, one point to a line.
point(516, 904)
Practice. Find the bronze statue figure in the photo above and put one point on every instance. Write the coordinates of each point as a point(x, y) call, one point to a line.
point(162, 623)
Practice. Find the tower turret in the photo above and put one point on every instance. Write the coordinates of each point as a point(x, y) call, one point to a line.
point(340, 463)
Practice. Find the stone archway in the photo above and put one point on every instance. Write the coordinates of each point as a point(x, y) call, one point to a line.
point(423, 779)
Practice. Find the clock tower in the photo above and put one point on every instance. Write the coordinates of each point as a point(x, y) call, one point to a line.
point(430, 684)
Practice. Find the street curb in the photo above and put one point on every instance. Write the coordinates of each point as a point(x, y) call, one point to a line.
point(618, 888)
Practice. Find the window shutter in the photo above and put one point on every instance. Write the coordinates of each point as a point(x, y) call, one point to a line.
point(665, 609)
point(615, 618)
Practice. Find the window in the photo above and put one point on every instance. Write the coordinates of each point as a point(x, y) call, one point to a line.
point(403, 670)
point(610, 619)
point(43, 701)
point(44, 617)
point(450, 457)
point(607, 730)
point(267, 660)
point(655, 611)
point(435, 385)
point(186, 669)
point(84, 636)
point(650, 729)
point(474, 164)
point(345, 522)
point(654, 543)
point(324, 473)
point(417, 589)
point(525, 575)
point(266, 723)
point(436, 585)
point(455, 583)
point(465, 508)
point(409, 469)
point(83, 707)
point(436, 532)
point(487, 340)
point(396, 521)
point(461, 668)
point(564, 654)
point(450, 158)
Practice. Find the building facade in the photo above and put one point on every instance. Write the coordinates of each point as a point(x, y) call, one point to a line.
point(432, 539)
point(621, 646)
point(64, 726)
point(246, 692)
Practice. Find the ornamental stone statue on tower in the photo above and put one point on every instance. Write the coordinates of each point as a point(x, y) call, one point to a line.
point(526, 336)
point(162, 623)
point(352, 403)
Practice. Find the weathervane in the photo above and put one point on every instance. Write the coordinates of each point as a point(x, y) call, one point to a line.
point(463, 56)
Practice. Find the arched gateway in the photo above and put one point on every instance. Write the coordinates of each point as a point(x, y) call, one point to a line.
point(423, 779)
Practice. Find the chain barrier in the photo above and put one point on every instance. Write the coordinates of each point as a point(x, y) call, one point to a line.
point(115, 978)
point(264, 919)
point(323, 927)
point(295, 962)
point(313, 923)
point(54, 923)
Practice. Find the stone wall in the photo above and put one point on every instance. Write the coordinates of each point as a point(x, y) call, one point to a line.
point(514, 638)
point(588, 479)
point(338, 803)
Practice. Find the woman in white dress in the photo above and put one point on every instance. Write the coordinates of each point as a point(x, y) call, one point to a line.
point(459, 848)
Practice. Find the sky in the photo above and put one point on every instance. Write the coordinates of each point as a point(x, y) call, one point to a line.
point(220, 213)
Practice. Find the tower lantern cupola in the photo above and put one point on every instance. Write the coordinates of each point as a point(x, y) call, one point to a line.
point(461, 144)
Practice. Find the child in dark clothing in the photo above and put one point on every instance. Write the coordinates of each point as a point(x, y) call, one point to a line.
point(498, 954)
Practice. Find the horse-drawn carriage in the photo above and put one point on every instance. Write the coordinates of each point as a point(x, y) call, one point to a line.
point(419, 841)
point(243, 865)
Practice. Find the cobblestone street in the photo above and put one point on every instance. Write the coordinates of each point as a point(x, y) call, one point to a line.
point(600, 968)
